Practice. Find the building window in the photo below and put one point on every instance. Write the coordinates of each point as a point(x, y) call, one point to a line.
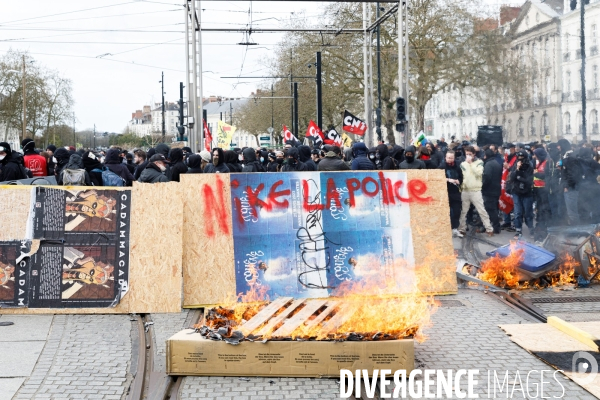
point(545, 125)
point(594, 34)
point(594, 122)
point(520, 127)
point(548, 88)
point(567, 120)
point(532, 125)
point(536, 92)
point(566, 42)
point(579, 124)
point(568, 82)
point(595, 77)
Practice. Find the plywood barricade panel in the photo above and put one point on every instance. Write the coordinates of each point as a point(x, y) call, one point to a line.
point(208, 273)
point(15, 205)
point(155, 271)
point(210, 259)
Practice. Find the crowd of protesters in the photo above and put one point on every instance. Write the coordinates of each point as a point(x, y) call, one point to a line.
point(557, 182)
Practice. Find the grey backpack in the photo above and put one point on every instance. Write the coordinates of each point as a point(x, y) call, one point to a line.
point(73, 177)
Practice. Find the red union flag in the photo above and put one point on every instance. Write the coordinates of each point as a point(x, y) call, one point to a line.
point(315, 132)
point(207, 136)
point(287, 135)
point(353, 124)
point(333, 137)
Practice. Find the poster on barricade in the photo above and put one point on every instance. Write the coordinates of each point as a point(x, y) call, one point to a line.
point(304, 234)
point(14, 273)
point(83, 259)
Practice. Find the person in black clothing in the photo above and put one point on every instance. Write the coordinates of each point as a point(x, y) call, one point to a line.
point(436, 157)
point(114, 162)
point(62, 158)
point(232, 161)
point(306, 158)
point(293, 162)
point(372, 155)
point(332, 161)
point(410, 162)
point(178, 167)
point(218, 165)
point(491, 188)
point(315, 156)
point(195, 164)
point(454, 178)
point(387, 162)
point(571, 174)
point(11, 164)
point(75, 162)
point(521, 179)
point(272, 165)
point(154, 172)
point(140, 159)
point(50, 163)
point(251, 164)
point(91, 163)
point(589, 188)
point(361, 162)
point(163, 150)
point(397, 153)
point(129, 161)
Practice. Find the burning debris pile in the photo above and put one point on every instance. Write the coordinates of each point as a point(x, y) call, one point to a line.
point(349, 319)
point(508, 272)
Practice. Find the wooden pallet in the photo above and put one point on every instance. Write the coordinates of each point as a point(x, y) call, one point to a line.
point(276, 319)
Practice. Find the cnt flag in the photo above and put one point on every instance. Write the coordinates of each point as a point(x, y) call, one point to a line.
point(333, 137)
point(289, 136)
point(353, 125)
point(207, 136)
point(315, 133)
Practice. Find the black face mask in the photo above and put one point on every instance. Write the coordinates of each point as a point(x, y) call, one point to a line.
point(410, 159)
point(291, 160)
point(279, 161)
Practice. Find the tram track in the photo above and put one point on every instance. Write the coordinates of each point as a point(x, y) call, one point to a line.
point(149, 384)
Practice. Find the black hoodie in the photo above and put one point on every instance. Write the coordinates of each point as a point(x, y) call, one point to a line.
point(522, 178)
point(304, 154)
point(195, 163)
point(178, 167)
point(11, 166)
point(251, 164)
point(113, 162)
point(163, 149)
point(221, 167)
point(387, 162)
point(232, 161)
point(492, 175)
point(91, 163)
point(415, 163)
point(293, 162)
point(62, 158)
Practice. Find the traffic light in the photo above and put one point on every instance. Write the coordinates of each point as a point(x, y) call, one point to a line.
point(400, 109)
point(400, 127)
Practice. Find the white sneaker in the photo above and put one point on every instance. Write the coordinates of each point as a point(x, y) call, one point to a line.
point(456, 233)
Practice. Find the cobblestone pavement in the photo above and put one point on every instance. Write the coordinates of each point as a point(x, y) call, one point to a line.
point(461, 337)
point(84, 357)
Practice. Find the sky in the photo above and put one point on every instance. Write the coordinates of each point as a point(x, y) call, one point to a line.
point(114, 51)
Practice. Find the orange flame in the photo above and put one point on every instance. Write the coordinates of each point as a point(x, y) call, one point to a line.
point(370, 308)
point(502, 271)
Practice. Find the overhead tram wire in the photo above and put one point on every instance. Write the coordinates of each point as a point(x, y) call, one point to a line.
point(97, 17)
point(68, 12)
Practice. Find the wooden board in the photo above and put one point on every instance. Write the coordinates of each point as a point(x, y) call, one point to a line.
point(544, 341)
point(155, 272)
point(264, 314)
point(278, 319)
point(15, 204)
point(337, 320)
point(331, 305)
point(156, 248)
point(208, 268)
point(432, 235)
point(291, 324)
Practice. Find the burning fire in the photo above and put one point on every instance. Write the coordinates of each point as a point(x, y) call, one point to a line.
point(369, 309)
point(503, 272)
